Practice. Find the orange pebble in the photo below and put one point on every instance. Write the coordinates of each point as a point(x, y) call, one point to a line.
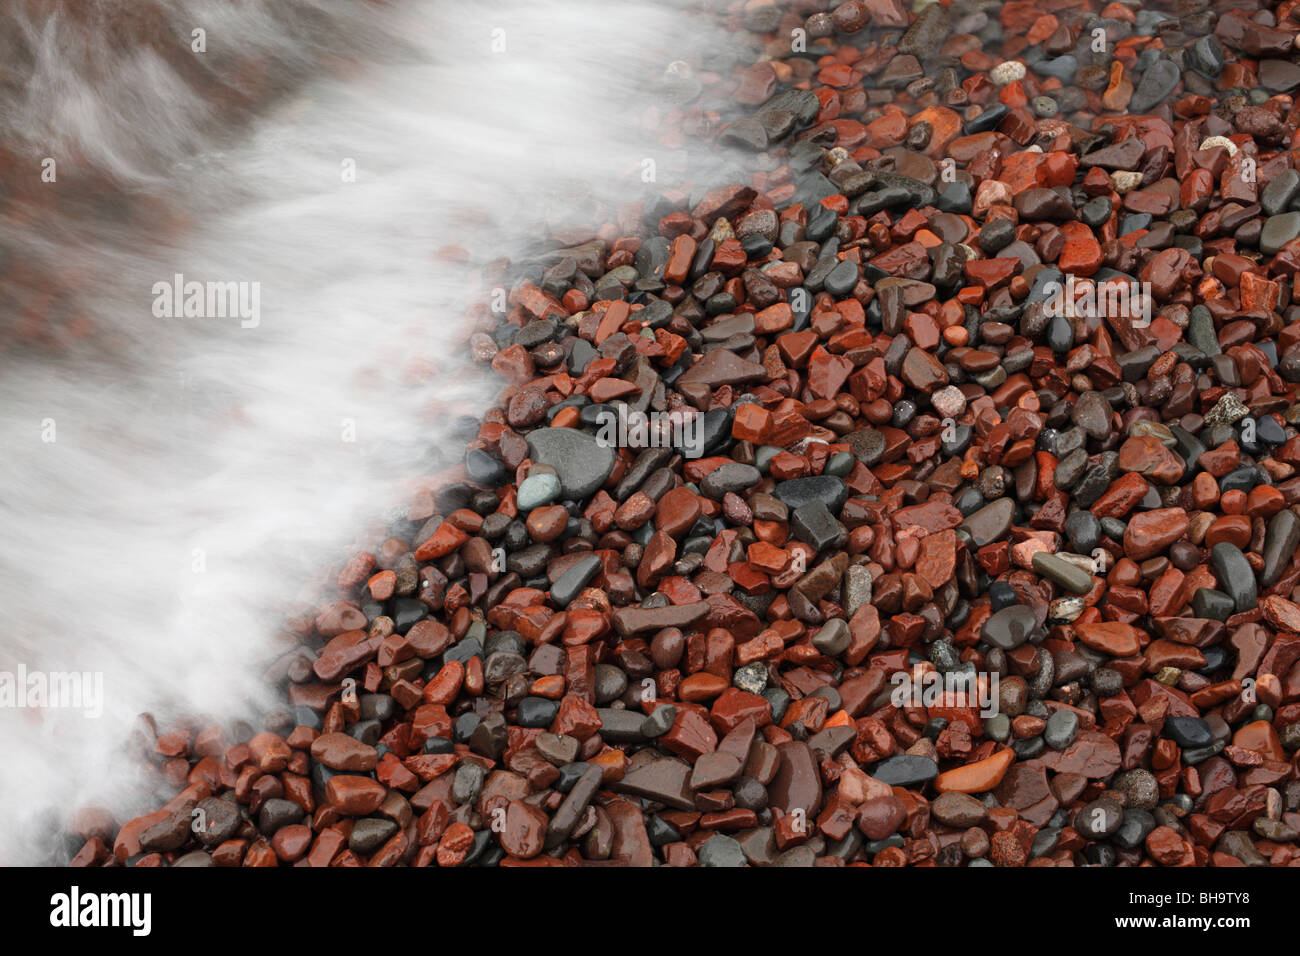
point(1233, 502)
point(566, 418)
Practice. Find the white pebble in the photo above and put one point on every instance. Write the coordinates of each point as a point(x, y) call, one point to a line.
point(1007, 72)
point(949, 402)
point(1124, 181)
point(1212, 141)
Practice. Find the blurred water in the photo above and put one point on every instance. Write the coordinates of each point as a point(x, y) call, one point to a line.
point(200, 472)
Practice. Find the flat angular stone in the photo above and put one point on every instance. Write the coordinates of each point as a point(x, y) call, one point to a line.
point(570, 584)
point(814, 524)
point(797, 492)
point(721, 367)
point(990, 523)
point(634, 621)
point(664, 781)
point(905, 770)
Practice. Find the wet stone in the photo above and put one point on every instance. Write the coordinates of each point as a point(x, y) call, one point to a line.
point(559, 749)
point(1268, 430)
point(467, 783)
point(1064, 610)
point(220, 821)
point(989, 119)
point(1044, 204)
point(868, 445)
point(1280, 76)
point(1002, 595)
point(1238, 843)
point(814, 524)
point(536, 712)
point(797, 784)
point(1235, 575)
point(1213, 605)
point(569, 584)
point(905, 770)
point(1060, 334)
point(750, 794)
point(798, 492)
point(579, 782)
point(1070, 469)
point(1140, 789)
point(1278, 231)
point(746, 303)
point(610, 683)
point(1069, 576)
point(751, 678)
point(1188, 731)
point(1134, 827)
point(1010, 627)
point(1279, 192)
point(960, 810)
point(277, 813)
point(922, 371)
point(537, 489)
point(659, 722)
point(833, 637)
point(1122, 155)
point(715, 769)
point(998, 727)
point(580, 461)
point(1281, 541)
point(721, 367)
point(1083, 531)
point(1092, 413)
point(721, 851)
point(620, 726)
point(1095, 480)
point(525, 830)
point(1099, 820)
point(665, 781)
point(1062, 68)
point(660, 832)
point(880, 817)
point(1097, 210)
point(927, 33)
point(731, 476)
point(1158, 81)
point(369, 834)
point(991, 522)
point(841, 280)
point(483, 469)
point(1061, 729)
